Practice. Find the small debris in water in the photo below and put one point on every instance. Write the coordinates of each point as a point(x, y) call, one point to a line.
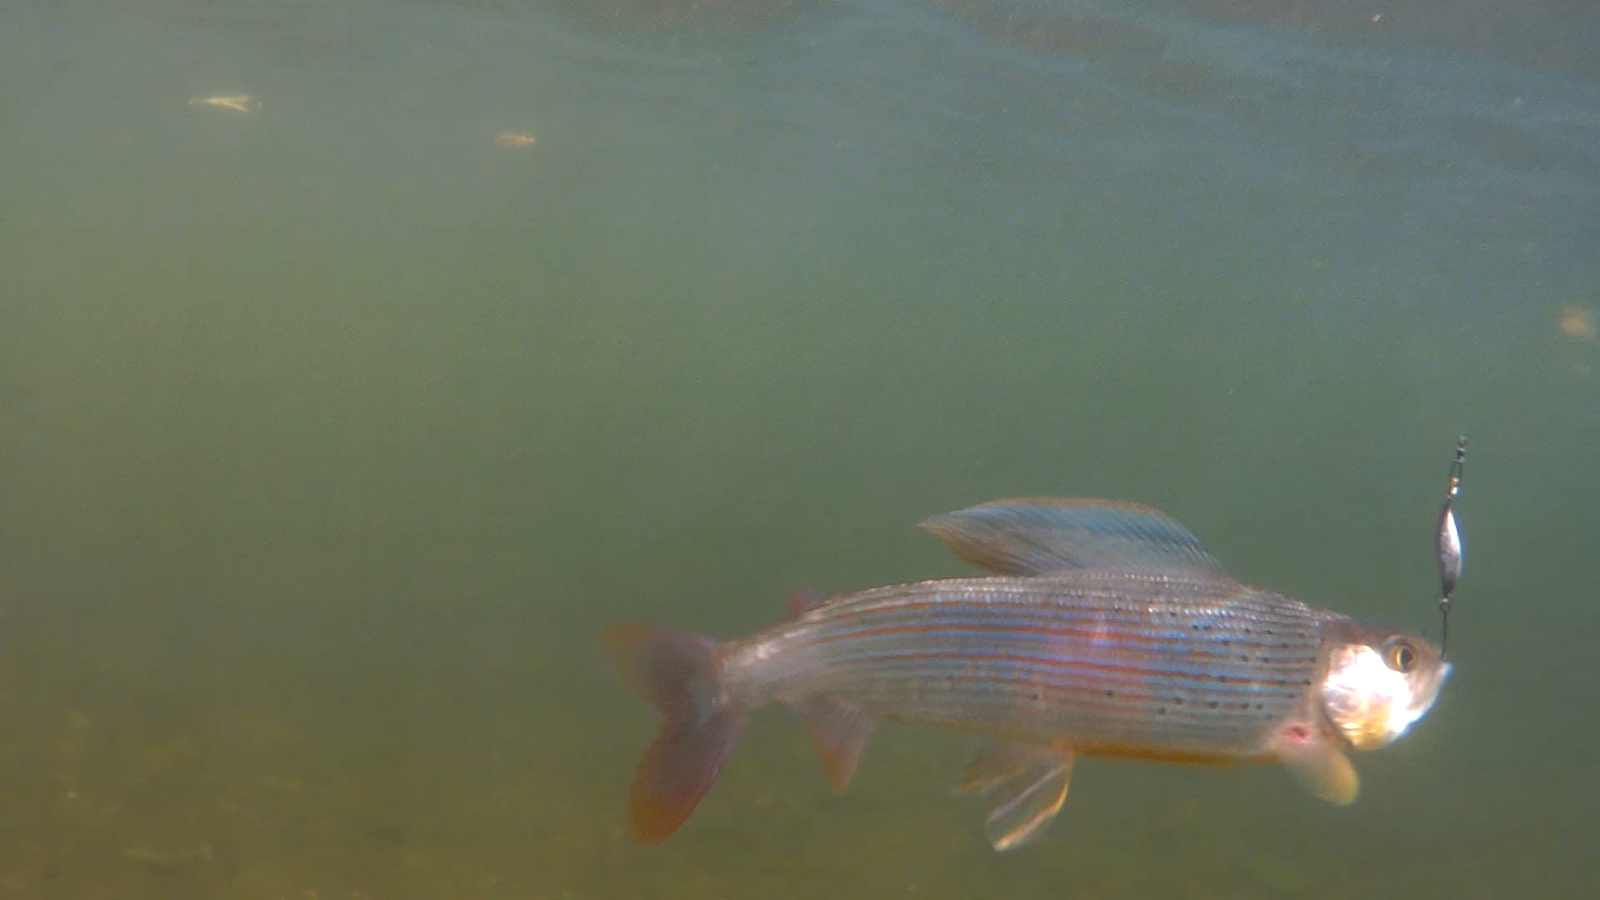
point(514, 139)
point(169, 857)
point(1578, 323)
point(242, 103)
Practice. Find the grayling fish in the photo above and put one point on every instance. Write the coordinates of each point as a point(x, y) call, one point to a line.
point(1111, 631)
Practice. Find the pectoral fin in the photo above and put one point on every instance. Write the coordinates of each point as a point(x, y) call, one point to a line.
point(1038, 536)
point(1323, 768)
point(1027, 785)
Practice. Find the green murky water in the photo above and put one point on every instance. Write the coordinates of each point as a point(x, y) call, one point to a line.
point(331, 432)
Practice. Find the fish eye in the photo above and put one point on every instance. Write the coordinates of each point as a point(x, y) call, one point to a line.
point(1401, 657)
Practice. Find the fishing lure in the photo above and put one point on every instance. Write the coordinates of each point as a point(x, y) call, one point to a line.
point(1448, 543)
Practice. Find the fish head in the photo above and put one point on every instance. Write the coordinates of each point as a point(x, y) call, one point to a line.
point(1377, 681)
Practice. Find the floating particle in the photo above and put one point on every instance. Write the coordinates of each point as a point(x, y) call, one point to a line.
point(242, 103)
point(1578, 323)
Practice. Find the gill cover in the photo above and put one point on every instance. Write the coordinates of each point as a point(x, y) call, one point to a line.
point(1378, 682)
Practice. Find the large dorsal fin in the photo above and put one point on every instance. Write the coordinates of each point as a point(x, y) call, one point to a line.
point(1039, 536)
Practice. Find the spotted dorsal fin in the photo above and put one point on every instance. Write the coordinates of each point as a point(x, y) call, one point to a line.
point(1040, 536)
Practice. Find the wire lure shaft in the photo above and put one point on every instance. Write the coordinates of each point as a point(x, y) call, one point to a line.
point(1449, 543)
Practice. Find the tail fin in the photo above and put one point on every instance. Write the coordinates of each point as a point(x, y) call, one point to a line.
point(676, 672)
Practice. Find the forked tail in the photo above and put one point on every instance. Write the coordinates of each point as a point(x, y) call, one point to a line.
point(677, 673)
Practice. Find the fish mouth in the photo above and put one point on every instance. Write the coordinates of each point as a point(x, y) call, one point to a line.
point(1423, 697)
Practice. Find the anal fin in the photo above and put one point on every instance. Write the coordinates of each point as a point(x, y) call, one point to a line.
point(1027, 785)
point(839, 734)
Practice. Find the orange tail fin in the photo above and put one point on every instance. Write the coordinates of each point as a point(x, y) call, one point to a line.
point(677, 673)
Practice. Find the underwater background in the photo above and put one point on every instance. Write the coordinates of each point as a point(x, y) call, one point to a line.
point(335, 426)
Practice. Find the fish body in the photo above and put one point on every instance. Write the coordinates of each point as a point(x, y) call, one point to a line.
point(1174, 666)
point(1110, 632)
